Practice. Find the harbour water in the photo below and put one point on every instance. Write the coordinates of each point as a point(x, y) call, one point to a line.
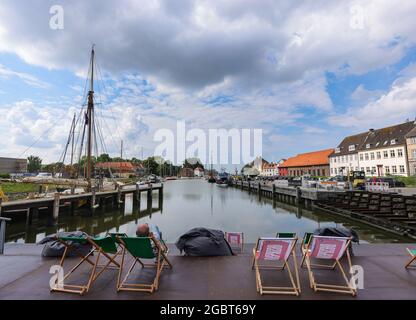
point(195, 203)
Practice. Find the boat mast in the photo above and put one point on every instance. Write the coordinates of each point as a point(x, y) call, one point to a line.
point(90, 112)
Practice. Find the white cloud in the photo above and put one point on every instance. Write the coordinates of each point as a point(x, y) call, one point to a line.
point(27, 78)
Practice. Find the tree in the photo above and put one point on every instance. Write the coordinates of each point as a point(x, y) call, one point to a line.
point(151, 164)
point(34, 164)
point(104, 158)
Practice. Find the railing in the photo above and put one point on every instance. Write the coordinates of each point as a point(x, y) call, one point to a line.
point(377, 186)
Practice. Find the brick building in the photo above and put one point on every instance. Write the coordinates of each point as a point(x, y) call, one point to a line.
point(312, 163)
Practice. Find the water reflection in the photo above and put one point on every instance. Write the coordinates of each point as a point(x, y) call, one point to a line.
point(195, 203)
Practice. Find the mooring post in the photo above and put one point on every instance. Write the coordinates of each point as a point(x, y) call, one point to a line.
point(1, 200)
point(55, 209)
point(40, 190)
point(249, 187)
point(150, 192)
point(259, 189)
point(3, 221)
point(273, 192)
point(298, 195)
point(119, 201)
point(161, 193)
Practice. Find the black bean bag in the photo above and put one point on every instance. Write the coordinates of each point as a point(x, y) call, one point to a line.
point(202, 242)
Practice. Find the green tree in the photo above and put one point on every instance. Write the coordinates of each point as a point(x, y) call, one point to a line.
point(34, 164)
point(104, 158)
point(151, 164)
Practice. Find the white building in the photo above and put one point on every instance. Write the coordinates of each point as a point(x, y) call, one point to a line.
point(199, 172)
point(376, 152)
point(271, 169)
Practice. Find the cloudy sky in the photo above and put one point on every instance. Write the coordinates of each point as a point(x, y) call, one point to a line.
point(306, 72)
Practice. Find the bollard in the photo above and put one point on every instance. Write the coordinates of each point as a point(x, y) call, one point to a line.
point(161, 193)
point(298, 195)
point(249, 187)
point(56, 207)
point(3, 221)
point(274, 192)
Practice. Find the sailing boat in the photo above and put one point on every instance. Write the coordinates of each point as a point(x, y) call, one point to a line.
point(89, 132)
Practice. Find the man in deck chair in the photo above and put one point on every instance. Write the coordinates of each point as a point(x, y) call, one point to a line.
point(269, 251)
point(141, 248)
point(330, 249)
point(102, 247)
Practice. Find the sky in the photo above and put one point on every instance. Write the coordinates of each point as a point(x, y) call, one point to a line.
point(307, 73)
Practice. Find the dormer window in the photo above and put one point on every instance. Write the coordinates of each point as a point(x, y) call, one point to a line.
point(351, 147)
point(377, 144)
point(393, 141)
point(337, 150)
point(385, 143)
point(368, 146)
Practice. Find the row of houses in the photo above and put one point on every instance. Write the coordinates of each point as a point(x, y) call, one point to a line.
point(377, 152)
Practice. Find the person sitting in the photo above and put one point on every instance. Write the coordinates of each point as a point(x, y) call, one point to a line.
point(143, 230)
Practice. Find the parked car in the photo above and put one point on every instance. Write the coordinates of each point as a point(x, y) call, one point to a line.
point(44, 175)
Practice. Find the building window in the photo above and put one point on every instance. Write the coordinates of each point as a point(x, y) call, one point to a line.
point(356, 168)
point(392, 154)
point(337, 150)
point(335, 160)
point(385, 154)
point(332, 170)
point(368, 146)
point(399, 153)
point(372, 155)
point(366, 156)
point(393, 141)
point(413, 140)
point(373, 170)
point(362, 168)
point(336, 171)
point(355, 157)
point(378, 155)
point(367, 169)
point(351, 147)
point(387, 169)
point(401, 169)
point(394, 169)
point(361, 157)
point(350, 158)
point(414, 153)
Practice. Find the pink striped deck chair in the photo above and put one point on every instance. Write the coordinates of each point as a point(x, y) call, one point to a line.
point(329, 249)
point(235, 239)
point(266, 254)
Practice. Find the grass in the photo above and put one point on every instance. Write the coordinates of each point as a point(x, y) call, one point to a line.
point(408, 181)
point(14, 187)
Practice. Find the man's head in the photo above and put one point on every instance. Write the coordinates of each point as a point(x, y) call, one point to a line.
point(143, 230)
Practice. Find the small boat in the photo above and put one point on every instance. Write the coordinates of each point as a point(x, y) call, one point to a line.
point(211, 180)
point(221, 183)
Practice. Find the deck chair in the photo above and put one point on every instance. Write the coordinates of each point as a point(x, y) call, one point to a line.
point(139, 249)
point(272, 250)
point(412, 253)
point(304, 246)
point(235, 240)
point(329, 249)
point(103, 247)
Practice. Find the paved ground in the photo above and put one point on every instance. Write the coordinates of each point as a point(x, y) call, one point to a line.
point(25, 275)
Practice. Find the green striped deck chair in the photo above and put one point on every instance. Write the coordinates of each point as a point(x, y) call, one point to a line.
point(102, 247)
point(304, 245)
point(412, 253)
point(142, 249)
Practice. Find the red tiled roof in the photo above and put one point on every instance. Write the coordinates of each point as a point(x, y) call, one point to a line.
point(308, 159)
point(126, 166)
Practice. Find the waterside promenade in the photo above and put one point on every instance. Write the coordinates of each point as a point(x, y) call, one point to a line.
point(25, 275)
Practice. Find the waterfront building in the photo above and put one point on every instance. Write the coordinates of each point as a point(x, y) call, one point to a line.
point(314, 163)
point(271, 169)
point(199, 172)
point(13, 165)
point(120, 169)
point(186, 172)
point(411, 151)
point(378, 152)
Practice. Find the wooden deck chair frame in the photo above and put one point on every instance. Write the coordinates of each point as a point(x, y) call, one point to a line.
point(162, 261)
point(242, 239)
point(304, 246)
point(409, 264)
point(100, 252)
point(295, 288)
point(348, 287)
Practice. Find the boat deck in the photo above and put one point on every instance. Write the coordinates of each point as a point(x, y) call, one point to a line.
point(25, 275)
